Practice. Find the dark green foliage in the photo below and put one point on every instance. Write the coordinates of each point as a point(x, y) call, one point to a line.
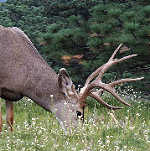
point(90, 28)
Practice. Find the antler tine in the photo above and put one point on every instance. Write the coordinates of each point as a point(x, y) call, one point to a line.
point(111, 90)
point(124, 58)
point(93, 75)
point(96, 72)
point(100, 100)
point(110, 63)
point(115, 52)
point(112, 84)
point(108, 88)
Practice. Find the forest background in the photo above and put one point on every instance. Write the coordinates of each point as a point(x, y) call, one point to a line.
point(80, 35)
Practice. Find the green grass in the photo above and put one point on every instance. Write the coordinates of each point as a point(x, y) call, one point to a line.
point(37, 130)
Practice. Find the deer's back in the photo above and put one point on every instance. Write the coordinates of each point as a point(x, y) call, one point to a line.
point(20, 62)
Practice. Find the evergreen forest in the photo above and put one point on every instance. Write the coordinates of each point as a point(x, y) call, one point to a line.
point(81, 35)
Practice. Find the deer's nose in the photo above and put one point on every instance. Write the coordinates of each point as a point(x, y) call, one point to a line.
point(79, 115)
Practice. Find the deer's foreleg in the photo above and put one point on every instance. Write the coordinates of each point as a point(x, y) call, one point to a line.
point(9, 114)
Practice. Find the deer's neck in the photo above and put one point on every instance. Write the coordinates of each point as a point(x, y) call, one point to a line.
point(41, 84)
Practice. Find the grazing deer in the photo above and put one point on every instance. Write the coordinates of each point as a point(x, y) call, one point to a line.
point(23, 72)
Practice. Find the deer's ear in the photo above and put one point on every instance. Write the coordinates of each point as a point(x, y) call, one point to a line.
point(64, 80)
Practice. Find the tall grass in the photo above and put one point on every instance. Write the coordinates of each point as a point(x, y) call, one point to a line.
point(37, 130)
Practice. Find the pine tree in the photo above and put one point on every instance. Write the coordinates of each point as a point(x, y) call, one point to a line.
point(81, 35)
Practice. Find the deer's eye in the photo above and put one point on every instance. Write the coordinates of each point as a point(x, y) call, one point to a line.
point(64, 94)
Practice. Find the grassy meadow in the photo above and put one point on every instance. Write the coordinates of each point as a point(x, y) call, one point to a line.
point(37, 130)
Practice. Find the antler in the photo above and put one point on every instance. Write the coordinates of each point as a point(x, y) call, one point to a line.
point(95, 81)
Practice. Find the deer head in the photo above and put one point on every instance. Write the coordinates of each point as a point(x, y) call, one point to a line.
point(68, 109)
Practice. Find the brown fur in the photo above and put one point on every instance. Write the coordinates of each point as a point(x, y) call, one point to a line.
point(21, 65)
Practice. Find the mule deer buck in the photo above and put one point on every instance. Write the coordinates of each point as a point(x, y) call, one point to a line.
point(23, 72)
